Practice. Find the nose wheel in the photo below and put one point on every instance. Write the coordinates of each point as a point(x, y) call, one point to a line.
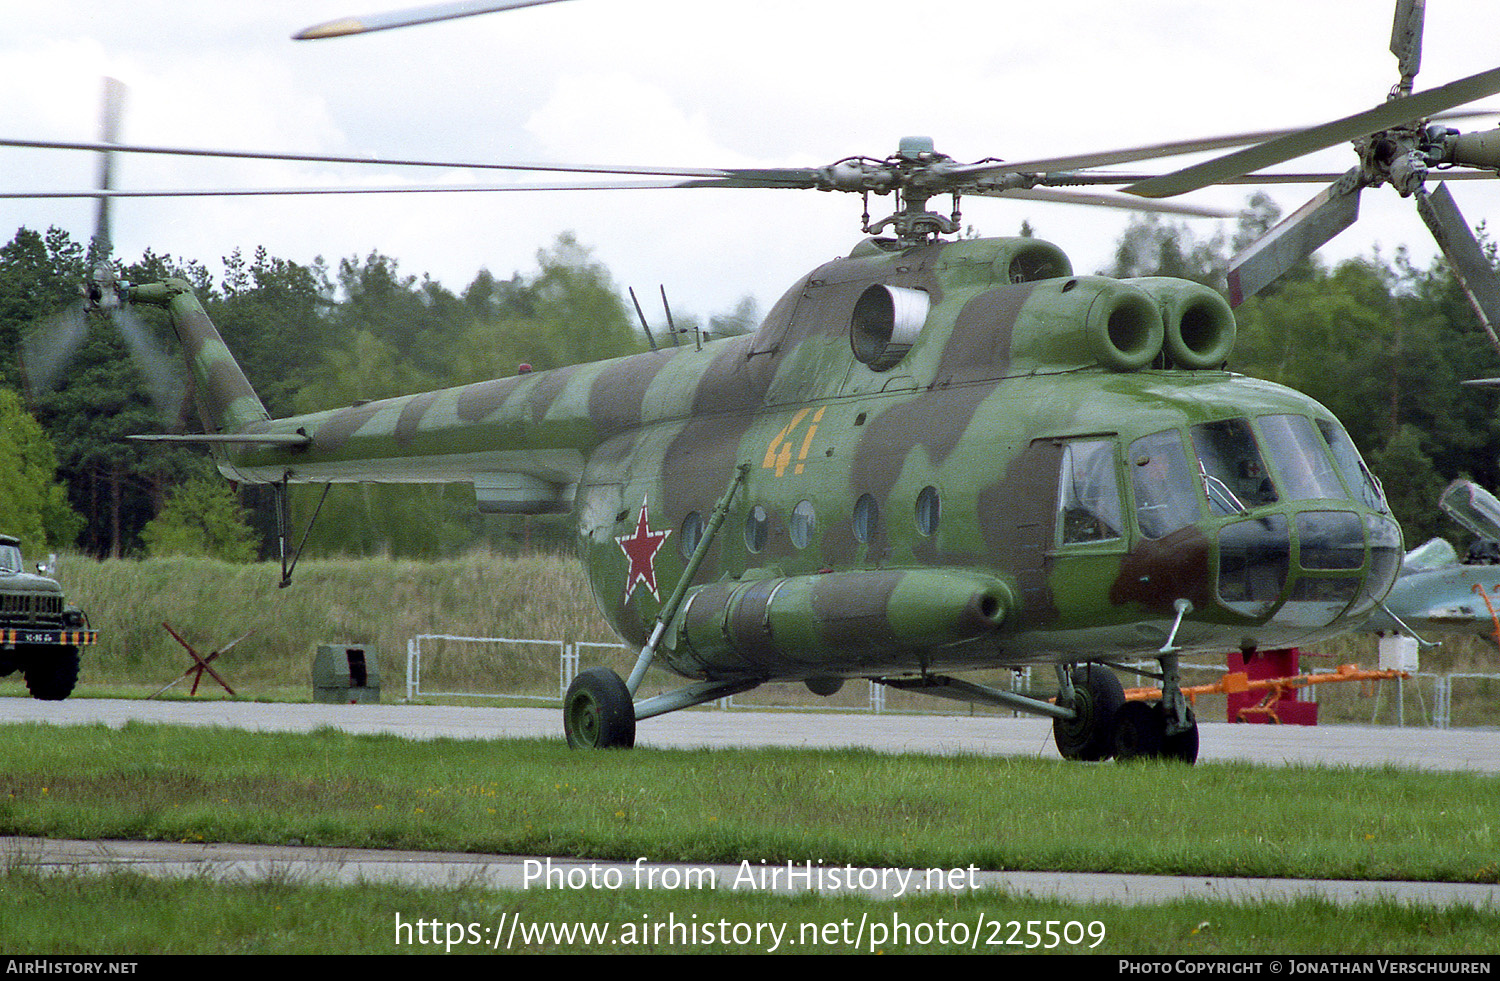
point(1096, 698)
point(1105, 725)
point(1141, 732)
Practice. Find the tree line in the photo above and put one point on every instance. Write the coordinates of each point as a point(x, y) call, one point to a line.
point(1380, 340)
point(309, 337)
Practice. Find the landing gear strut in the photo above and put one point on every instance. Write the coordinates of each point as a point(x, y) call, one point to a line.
point(1163, 730)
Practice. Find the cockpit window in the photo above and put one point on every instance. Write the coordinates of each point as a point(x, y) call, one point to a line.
point(10, 559)
point(1165, 499)
point(1362, 483)
point(1303, 468)
point(1229, 462)
point(1088, 494)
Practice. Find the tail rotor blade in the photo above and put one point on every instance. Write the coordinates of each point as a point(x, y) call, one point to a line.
point(1393, 113)
point(109, 132)
point(155, 365)
point(1295, 238)
point(1473, 270)
point(50, 345)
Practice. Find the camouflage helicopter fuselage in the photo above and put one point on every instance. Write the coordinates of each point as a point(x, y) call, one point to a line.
point(959, 456)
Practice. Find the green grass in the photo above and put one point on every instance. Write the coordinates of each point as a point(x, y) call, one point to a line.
point(381, 603)
point(125, 913)
point(861, 807)
point(846, 806)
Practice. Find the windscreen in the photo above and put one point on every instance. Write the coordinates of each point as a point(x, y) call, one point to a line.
point(1362, 484)
point(1304, 469)
point(1234, 475)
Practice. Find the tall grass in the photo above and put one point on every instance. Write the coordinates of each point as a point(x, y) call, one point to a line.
point(379, 603)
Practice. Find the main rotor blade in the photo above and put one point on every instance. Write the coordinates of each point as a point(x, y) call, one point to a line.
point(1295, 238)
point(1033, 194)
point(394, 162)
point(109, 134)
point(1101, 201)
point(1138, 204)
point(1301, 142)
point(756, 177)
point(1471, 267)
point(1406, 39)
point(732, 182)
point(368, 23)
point(1105, 158)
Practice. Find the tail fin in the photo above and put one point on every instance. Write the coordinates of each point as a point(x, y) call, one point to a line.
point(226, 402)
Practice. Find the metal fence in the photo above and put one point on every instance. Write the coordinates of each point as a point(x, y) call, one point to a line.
point(1440, 688)
point(1433, 692)
point(414, 665)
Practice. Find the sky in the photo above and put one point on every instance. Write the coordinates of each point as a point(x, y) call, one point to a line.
point(781, 83)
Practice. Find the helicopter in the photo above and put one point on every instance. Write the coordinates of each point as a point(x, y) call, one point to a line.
point(936, 455)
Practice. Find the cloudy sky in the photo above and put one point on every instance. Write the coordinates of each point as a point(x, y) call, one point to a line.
point(683, 82)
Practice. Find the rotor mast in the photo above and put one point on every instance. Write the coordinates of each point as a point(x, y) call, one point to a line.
point(916, 172)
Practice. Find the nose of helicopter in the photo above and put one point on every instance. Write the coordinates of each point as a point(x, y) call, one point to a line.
point(1309, 567)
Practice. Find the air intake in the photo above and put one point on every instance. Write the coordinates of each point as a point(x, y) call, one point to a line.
point(1200, 327)
point(886, 323)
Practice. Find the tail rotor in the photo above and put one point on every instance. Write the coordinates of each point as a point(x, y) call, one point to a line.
point(53, 342)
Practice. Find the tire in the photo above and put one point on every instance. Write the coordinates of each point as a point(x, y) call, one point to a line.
point(1140, 731)
point(1183, 746)
point(1097, 697)
point(51, 675)
point(598, 712)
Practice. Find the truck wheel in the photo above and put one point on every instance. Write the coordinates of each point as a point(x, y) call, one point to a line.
point(51, 677)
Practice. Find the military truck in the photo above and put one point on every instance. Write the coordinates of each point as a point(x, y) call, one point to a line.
point(39, 635)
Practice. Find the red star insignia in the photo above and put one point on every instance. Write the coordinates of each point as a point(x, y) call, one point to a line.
point(640, 549)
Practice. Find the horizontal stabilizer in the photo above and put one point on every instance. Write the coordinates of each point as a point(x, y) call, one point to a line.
point(264, 439)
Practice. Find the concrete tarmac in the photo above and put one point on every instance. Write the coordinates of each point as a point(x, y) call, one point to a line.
point(1472, 750)
point(345, 866)
point(1352, 746)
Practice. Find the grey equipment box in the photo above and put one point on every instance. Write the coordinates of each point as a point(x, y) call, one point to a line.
point(345, 675)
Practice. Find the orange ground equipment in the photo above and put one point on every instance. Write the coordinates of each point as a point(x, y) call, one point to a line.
point(1265, 688)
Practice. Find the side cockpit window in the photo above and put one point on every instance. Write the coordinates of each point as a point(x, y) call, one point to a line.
point(1088, 493)
point(1165, 499)
point(1362, 483)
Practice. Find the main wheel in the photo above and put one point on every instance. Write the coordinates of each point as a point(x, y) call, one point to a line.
point(1097, 697)
point(598, 712)
point(51, 674)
